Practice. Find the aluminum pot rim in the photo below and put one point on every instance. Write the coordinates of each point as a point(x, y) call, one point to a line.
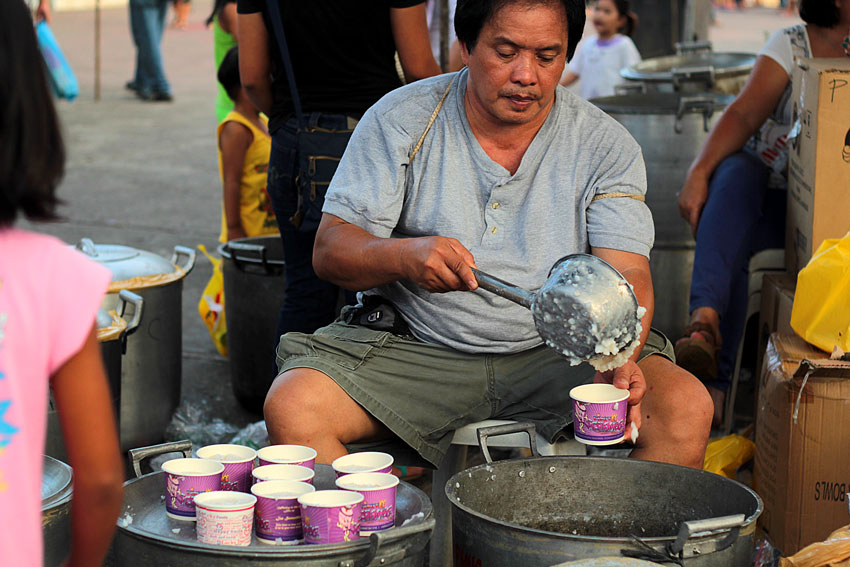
point(449, 490)
point(281, 551)
point(634, 74)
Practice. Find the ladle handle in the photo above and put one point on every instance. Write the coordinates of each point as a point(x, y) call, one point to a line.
point(503, 289)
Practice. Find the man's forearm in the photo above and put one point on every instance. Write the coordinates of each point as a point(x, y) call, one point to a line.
point(350, 257)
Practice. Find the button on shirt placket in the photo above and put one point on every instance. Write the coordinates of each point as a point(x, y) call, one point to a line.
point(494, 218)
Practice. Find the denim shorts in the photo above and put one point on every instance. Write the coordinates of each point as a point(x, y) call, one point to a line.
point(423, 392)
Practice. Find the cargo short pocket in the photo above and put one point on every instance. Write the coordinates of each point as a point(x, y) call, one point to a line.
point(348, 346)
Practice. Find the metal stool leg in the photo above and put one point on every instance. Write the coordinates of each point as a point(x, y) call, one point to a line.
point(441, 539)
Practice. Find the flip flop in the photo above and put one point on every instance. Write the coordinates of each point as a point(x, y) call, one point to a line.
point(697, 351)
point(408, 473)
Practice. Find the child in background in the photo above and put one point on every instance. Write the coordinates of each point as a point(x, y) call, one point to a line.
point(243, 161)
point(49, 296)
point(598, 60)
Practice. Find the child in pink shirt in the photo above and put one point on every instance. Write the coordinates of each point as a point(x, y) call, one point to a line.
point(49, 296)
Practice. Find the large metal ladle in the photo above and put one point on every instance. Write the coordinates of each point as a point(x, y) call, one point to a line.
point(585, 310)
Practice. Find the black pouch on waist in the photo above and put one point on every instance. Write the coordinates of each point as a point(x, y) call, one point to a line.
point(379, 314)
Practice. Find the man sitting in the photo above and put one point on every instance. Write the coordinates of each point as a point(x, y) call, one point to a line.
point(495, 167)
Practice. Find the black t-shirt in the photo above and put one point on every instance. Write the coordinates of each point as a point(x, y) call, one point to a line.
point(342, 54)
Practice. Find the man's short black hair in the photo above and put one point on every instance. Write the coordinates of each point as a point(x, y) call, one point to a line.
point(471, 15)
point(228, 73)
point(32, 155)
point(822, 13)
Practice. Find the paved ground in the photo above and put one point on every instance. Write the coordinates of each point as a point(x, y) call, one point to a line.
point(145, 174)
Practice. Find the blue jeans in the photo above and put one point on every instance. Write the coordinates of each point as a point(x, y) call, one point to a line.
point(309, 302)
point(741, 217)
point(147, 23)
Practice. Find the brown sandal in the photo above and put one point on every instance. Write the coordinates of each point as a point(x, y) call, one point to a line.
point(697, 351)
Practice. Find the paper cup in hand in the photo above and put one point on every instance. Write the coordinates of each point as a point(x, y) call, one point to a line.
point(295, 473)
point(238, 462)
point(369, 461)
point(287, 455)
point(185, 479)
point(278, 514)
point(225, 517)
point(599, 413)
point(379, 492)
point(331, 516)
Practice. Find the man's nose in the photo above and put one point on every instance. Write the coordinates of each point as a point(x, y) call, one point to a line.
point(525, 70)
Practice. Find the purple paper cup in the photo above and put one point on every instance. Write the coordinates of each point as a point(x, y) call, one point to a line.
point(599, 413)
point(277, 517)
point(331, 516)
point(287, 455)
point(225, 517)
point(184, 480)
point(378, 490)
point(296, 473)
point(238, 462)
point(368, 461)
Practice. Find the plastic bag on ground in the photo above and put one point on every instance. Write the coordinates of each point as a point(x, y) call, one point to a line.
point(254, 435)
point(725, 456)
point(833, 552)
point(192, 422)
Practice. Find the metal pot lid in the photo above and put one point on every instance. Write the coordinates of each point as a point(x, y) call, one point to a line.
point(662, 103)
point(125, 262)
point(55, 482)
point(660, 69)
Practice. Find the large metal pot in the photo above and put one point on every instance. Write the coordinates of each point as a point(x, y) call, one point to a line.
point(254, 286)
point(671, 129)
point(152, 366)
point(147, 538)
point(694, 69)
point(113, 344)
point(56, 491)
point(547, 510)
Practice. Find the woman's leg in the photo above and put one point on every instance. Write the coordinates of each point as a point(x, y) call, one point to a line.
point(737, 221)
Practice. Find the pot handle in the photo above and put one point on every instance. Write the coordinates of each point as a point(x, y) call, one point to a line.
point(507, 429)
point(683, 47)
point(415, 536)
point(630, 88)
point(688, 104)
point(140, 454)
point(502, 288)
point(258, 250)
point(696, 74)
point(700, 527)
point(190, 257)
point(127, 297)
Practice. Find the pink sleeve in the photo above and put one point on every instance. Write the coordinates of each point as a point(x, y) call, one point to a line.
point(77, 287)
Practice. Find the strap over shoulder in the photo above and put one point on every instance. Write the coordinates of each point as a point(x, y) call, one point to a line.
point(430, 121)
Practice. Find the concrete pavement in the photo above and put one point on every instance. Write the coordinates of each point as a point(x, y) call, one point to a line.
point(145, 174)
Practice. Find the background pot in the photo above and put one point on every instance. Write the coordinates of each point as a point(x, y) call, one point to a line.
point(671, 129)
point(547, 510)
point(254, 287)
point(694, 69)
point(56, 491)
point(151, 370)
point(113, 331)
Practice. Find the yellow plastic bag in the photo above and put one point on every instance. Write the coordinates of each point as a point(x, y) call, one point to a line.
point(211, 305)
point(834, 552)
point(821, 312)
point(725, 456)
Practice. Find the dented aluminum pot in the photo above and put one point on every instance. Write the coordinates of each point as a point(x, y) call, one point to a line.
point(542, 511)
point(113, 344)
point(151, 372)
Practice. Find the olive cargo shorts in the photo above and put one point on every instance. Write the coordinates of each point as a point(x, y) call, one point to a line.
point(423, 392)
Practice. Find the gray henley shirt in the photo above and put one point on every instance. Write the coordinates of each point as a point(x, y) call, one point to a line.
point(516, 226)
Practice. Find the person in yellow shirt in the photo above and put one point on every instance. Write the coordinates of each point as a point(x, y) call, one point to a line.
point(243, 160)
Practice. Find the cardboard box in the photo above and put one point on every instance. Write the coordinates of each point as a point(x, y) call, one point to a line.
point(777, 299)
point(819, 164)
point(802, 462)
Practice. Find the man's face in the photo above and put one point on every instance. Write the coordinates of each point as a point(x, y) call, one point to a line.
point(517, 62)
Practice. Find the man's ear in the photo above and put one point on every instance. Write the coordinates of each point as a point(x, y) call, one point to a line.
point(464, 53)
